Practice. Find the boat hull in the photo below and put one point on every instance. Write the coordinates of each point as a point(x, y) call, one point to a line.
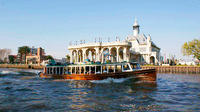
point(144, 75)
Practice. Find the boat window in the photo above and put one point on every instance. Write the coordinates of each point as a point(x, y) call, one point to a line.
point(87, 69)
point(47, 70)
point(104, 69)
point(67, 70)
point(73, 70)
point(54, 70)
point(118, 68)
point(92, 69)
point(111, 68)
point(57, 70)
point(135, 66)
point(76, 70)
point(115, 67)
point(50, 70)
point(126, 67)
point(82, 70)
point(98, 69)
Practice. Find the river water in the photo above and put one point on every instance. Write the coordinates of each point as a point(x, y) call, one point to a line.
point(23, 90)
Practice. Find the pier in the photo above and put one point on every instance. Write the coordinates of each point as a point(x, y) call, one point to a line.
point(175, 69)
point(21, 66)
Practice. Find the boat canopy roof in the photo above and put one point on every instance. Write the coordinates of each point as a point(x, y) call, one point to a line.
point(93, 64)
point(102, 64)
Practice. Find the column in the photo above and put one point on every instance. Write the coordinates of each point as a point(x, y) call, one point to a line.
point(71, 56)
point(102, 58)
point(52, 70)
point(77, 56)
point(84, 70)
point(89, 69)
point(47, 70)
point(75, 70)
point(124, 54)
point(117, 54)
point(97, 54)
point(107, 69)
point(109, 52)
point(56, 70)
point(128, 55)
point(114, 68)
point(63, 72)
point(59, 70)
point(84, 54)
point(101, 69)
point(156, 60)
point(95, 69)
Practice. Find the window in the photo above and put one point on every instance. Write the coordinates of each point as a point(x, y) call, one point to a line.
point(126, 67)
point(135, 66)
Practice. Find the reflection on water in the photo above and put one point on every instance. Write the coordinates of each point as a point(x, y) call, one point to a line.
point(23, 90)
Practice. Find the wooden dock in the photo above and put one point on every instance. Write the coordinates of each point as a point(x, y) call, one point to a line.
point(175, 69)
point(21, 66)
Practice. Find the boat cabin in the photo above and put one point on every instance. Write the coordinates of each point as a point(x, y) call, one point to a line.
point(92, 68)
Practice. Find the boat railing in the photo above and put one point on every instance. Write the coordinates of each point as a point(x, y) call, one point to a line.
point(57, 70)
point(89, 69)
point(99, 68)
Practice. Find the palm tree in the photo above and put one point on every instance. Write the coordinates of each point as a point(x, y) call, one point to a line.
point(49, 57)
point(67, 58)
point(23, 51)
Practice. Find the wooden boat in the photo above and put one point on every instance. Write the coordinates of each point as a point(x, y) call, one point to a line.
point(98, 71)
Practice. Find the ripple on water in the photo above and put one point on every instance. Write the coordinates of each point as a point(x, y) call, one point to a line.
point(24, 89)
point(8, 72)
point(6, 83)
point(8, 88)
point(36, 106)
point(24, 92)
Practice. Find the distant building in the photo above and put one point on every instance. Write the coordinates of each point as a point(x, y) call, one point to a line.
point(60, 61)
point(135, 48)
point(186, 63)
point(35, 57)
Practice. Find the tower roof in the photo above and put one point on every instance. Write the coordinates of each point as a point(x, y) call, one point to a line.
point(136, 22)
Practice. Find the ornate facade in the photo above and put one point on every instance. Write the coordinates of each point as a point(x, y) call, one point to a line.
point(136, 47)
point(36, 56)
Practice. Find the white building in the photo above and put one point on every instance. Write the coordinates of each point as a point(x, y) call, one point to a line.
point(135, 48)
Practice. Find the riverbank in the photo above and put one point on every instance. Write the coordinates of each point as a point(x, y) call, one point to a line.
point(175, 69)
point(160, 69)
point(21, 66)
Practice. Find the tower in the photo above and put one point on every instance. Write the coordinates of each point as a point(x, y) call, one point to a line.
point(136, 29)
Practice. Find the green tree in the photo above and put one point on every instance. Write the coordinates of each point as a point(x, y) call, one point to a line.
point(11, 58)
point(23, 51)
point(192, 48)
point(49, 57)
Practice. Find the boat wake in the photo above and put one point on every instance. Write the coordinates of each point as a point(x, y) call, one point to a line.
point(8, 72)
point(111, 80)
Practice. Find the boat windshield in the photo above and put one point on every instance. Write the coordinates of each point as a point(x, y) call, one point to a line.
point(135, 66)
point(126, 67)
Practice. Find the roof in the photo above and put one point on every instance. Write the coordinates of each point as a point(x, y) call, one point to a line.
point(141, 39)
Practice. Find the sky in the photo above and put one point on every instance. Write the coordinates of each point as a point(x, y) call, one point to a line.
point(52, 24)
